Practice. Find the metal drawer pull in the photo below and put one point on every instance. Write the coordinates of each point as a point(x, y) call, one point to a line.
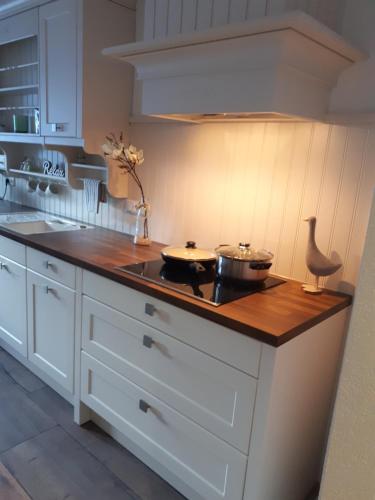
point(57, 127)
point(49, 289)
point(48, 264)
point(143, 406)
point(150, 309)
point(3, 266)
point(148, 341)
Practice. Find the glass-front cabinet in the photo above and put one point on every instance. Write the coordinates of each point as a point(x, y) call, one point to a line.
point(19, 75)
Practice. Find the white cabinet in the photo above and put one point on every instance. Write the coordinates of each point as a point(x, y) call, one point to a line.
point(19, 74)
point(188, 395)
point(51, 326)
point(13, 328)
point(83, 95)
point(58, 65)
point(51, 62)
point(13, 305)
point(213, 394)
point(215, 470)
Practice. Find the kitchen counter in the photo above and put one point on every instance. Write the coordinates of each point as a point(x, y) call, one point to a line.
point(274, 316)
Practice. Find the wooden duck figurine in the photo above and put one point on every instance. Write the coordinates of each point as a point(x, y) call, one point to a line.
point(317, 263)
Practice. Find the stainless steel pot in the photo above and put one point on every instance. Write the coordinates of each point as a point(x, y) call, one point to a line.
point(243, 263)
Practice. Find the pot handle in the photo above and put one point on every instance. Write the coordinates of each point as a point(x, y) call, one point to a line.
point(222, 245)
point(260, 266)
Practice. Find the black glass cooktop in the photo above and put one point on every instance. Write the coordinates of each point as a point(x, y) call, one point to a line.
point(197, 282)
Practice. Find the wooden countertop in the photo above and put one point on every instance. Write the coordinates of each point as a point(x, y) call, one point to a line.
point(274, 316)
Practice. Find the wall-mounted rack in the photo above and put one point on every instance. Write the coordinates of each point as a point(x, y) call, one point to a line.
point(38, 175)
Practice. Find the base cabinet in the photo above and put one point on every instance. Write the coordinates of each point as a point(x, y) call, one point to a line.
point(13, 328)
point(219, 415)
point(212, 468)
point(178, 419)
point(51, 327)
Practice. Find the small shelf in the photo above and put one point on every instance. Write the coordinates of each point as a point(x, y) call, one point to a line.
point(21, 137)
point(19, 66)
point(88, 167)
point(19, 89)
point(39, 175)
point(13, 108)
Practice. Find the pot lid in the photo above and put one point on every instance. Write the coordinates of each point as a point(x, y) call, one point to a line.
point(189, 253)
point(244, 251)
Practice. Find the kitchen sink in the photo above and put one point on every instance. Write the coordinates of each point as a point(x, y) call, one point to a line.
point(38, 223)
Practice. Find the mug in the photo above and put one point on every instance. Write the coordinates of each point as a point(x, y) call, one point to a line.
point(42, 188)
point(32, 185)
point(51, 189)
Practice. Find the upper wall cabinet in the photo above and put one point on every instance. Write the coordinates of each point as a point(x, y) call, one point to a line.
point(58, 66)
point(52, 70)
point(19, 73)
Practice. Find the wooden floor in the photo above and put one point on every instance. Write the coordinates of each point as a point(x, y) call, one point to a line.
point(45, 456)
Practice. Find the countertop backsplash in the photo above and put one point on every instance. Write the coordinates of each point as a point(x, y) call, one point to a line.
point(225, 183)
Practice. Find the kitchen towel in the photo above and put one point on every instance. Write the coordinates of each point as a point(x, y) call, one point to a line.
point(92, 188)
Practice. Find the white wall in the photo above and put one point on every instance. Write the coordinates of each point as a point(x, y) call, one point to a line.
point(350, 461)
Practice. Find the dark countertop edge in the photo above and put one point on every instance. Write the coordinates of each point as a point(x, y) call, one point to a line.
point(141, 286)
point(303, 327)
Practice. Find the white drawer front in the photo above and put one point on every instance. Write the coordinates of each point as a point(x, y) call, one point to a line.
point(235, 349)
point(208, 465)
point(13, 250)
point(210, 392)
point(51, 267)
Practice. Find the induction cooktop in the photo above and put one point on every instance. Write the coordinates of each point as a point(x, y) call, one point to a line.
point(197, 282)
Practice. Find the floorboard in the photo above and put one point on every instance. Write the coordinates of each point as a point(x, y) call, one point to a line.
point(19, 373)
point(53, 466)
point(123, 464)
point(9, 488)
point(44, 455)
point(20, 418)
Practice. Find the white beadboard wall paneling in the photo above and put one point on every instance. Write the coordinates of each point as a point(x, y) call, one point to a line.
point(225, 183)
point(220, 12)
point(256, 8)
point(163, 18)
point(147, 9)
point(204, 14)
point(238, 10)
point(256, 182)
point(174, 17)
point(188, 16)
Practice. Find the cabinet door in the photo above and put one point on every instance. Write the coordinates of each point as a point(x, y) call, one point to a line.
point(58, 68)
point(13, 305)
point(51, 311)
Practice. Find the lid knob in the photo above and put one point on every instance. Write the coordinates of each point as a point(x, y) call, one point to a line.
point(244, 245)
point(190, 244)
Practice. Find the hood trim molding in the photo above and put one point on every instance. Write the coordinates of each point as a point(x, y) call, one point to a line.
point(278, 68)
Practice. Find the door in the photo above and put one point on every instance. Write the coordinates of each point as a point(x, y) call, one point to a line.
point(13, 328)
point(51, 311)
point(58, 68)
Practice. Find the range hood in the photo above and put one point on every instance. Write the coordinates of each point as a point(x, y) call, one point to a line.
point(273, 68)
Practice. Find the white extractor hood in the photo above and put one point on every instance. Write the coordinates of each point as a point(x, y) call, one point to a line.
point(273, 68)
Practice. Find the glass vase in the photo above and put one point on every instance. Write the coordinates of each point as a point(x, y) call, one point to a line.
point(142, 225)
